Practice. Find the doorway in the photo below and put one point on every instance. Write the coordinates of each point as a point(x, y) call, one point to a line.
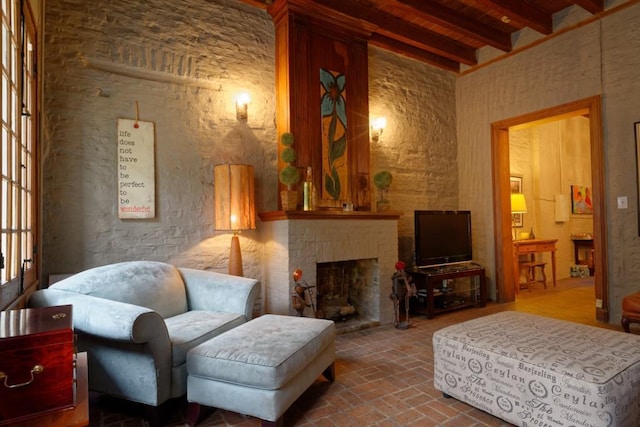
point(590, 108)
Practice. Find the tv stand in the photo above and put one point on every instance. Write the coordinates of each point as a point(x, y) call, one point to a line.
point(448, 287)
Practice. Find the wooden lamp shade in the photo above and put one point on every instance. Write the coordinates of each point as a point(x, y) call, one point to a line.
point(235, 207)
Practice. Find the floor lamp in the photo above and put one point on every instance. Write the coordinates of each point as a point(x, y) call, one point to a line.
point(235, 207)
point(518, 206)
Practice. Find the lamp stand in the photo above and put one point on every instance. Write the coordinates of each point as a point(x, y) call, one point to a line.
point(235, 257)
point(513, 225)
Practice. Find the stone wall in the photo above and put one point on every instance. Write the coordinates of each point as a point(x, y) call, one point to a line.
point(601, 58)
point(183, 64)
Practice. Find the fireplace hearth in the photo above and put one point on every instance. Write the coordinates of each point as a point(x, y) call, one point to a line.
point(348, 256)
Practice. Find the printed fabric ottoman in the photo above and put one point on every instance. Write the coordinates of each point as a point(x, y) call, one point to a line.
point(536, 371)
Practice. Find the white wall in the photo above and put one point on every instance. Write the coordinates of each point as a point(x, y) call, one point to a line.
point(601, 58)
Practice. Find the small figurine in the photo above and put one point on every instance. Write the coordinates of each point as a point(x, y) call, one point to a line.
point(403, 289)
point(302, 295)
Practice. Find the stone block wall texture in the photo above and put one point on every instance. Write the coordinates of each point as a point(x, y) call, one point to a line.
point(601, 58)
point(183, 63)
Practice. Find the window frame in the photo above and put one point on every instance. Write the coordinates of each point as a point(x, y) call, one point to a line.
point(19, 155)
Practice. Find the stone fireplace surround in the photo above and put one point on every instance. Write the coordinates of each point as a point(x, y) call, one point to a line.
point(300, 239)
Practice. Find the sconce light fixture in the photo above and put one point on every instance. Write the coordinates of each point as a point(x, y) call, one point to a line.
point(242, 102)
point(235, 207)
point(518, 206)
point(377, 127)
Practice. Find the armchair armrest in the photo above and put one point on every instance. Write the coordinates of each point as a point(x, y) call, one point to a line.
point(106, 318)
point(211, 291)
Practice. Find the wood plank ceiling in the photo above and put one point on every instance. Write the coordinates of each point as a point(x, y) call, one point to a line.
point(446, 33)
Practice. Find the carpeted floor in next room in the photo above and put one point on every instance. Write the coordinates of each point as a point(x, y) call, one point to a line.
point(384, 376)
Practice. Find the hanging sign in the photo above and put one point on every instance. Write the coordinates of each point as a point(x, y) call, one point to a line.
point(136, 169)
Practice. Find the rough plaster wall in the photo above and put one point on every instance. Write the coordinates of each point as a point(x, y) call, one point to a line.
point(184, 69)
point(418, 146)
point(563, 69)
point(183, 63)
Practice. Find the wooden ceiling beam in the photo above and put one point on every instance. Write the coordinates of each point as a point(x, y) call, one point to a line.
point(389, 25)
point(459, 23)
point(591, 6)
point(412, 52)
point(522, 12)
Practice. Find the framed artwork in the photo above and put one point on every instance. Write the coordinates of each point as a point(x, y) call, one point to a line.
point(515, 183)
point(581, 203)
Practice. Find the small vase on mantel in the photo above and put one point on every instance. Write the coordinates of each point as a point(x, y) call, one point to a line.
point(289, 199)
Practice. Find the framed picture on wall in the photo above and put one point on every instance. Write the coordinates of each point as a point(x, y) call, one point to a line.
point(515, 183)
point(581, 203)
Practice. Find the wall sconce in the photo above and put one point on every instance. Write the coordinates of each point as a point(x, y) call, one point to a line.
point(377, 127)
point(518, 206)
point(235, 207)
point(242, 102)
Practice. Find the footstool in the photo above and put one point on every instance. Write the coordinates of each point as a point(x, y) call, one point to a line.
point(260, 367)
point(531, 370)
point(630, 310)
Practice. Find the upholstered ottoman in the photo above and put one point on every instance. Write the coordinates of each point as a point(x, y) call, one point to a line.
point(536, 371)
point(630, 310)
point(261, 367)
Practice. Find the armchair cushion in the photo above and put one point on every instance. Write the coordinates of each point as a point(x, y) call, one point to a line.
point(192, 328)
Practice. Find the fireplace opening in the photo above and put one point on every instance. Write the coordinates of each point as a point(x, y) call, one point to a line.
point(348, 291)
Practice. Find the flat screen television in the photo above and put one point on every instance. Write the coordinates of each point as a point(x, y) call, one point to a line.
point(442, 237)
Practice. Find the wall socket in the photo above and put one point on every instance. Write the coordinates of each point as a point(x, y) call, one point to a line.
point(623, 202)
point(598, 303)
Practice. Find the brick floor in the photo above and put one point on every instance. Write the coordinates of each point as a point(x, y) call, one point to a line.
point(384, 376)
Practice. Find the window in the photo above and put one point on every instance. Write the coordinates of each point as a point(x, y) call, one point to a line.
point(18, 157)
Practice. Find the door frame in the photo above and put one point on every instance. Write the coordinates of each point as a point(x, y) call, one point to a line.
point(505, 274)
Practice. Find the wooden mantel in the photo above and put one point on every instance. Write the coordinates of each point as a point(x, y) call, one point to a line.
point(327, 214)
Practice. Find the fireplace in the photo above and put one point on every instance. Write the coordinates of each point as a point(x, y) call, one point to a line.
point(349, 258)
point(347, 290)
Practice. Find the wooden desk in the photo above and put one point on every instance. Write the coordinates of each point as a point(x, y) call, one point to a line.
point(78, 416)
point(532, 247)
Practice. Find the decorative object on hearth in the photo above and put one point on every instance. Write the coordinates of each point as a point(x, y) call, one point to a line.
point(382, 181)
point(235, 208)
point(289, 175)
point(402, 289)
point(302, 295)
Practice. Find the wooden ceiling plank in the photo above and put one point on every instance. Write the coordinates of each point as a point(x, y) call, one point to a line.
point(412, 52)
point(591, 6)
point(520, 11)
point(459, 23)
point(390, 25)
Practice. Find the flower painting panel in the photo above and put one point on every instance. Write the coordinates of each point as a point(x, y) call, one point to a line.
point(334, 135)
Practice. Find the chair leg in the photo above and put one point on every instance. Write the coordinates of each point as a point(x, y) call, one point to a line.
point(625, 324)
point(544, 276)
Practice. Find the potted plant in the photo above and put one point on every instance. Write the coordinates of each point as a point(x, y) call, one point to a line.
point(382, 181)
point(289, 175)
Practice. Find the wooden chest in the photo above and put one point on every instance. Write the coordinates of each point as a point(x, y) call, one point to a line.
point(37, 359)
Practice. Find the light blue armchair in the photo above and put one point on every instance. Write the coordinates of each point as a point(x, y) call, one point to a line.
point(137, 320)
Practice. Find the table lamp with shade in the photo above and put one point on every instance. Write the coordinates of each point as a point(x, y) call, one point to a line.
point(235, 207)
point(518, 206)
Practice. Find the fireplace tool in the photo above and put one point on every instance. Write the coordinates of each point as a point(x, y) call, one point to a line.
point(302, 295)
point(403, 288)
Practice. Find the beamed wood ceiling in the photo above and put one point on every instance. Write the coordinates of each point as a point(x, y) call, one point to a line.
point(446, 33)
